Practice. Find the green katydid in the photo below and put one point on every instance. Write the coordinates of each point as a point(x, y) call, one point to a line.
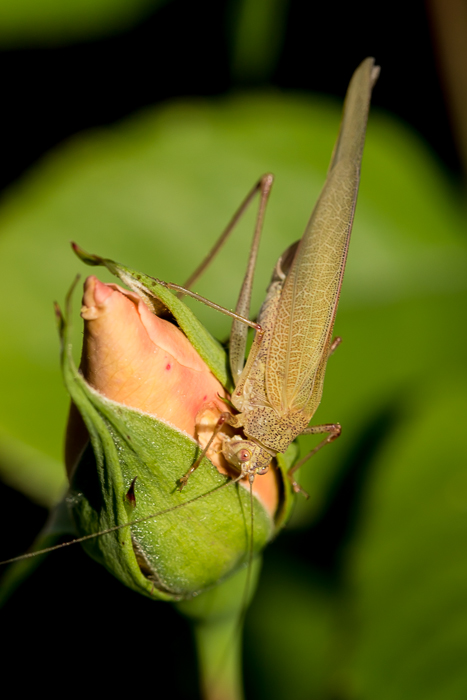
point(280, 387)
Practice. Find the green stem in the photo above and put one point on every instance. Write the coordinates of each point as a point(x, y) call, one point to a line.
point(217, 617)
point(219, 654)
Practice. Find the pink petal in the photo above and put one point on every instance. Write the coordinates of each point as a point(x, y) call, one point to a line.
point(132, 356)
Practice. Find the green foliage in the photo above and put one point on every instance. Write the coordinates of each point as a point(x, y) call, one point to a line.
point(387, 619)
point(26, 23)
point(407, 564)
point(257, 35)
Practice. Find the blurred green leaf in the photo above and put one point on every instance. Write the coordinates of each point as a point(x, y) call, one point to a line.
point(390, 621)
point(258, 28)
point(298, 641)
point(25, 23)
point(28, 469)
point(408, 566)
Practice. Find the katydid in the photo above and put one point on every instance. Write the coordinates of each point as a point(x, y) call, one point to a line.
point(280, 387)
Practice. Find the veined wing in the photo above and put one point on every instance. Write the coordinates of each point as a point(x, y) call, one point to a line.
point(310, 294)
point(251, 387)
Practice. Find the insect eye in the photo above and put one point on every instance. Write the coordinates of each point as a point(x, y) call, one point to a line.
point(244, 455)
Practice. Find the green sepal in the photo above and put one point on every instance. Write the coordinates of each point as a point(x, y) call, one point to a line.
point(156, 295)
point(187, 541)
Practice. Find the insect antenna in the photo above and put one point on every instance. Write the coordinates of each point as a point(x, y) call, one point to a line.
point(246, 589)
point(115, 528)
point(181, 290)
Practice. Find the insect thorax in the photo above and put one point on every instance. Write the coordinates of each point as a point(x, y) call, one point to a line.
point(276, 433)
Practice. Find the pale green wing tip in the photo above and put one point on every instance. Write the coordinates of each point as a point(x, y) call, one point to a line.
point(375, 74)
point(351, 137)
point(374, 69)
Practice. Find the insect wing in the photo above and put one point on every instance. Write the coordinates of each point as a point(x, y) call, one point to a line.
point(299, 345)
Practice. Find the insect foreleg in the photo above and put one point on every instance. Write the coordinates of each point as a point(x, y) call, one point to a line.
point(223, 418)
point(227, 418)
point(333, 430)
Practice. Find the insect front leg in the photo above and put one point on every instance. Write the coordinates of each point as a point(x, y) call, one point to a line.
point(333, 430)
point(222, 420)
point(237, 452)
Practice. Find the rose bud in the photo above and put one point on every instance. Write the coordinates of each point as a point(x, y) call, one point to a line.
point(149, 395)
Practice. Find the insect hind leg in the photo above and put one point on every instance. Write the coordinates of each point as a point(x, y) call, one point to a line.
point(333, 430)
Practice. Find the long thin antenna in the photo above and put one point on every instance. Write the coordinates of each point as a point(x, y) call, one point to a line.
point(246, 590)
point(109, 530)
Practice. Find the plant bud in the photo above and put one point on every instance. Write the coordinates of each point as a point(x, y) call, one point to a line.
point(148, 396)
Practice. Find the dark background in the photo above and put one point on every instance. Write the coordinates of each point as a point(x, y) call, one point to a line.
point(184, 49)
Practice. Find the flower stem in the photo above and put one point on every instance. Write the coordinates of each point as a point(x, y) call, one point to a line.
point(217, 617)
point(219, 654)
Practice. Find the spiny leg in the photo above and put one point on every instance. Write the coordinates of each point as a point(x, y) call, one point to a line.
point(333, 430)
point(238, 334)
